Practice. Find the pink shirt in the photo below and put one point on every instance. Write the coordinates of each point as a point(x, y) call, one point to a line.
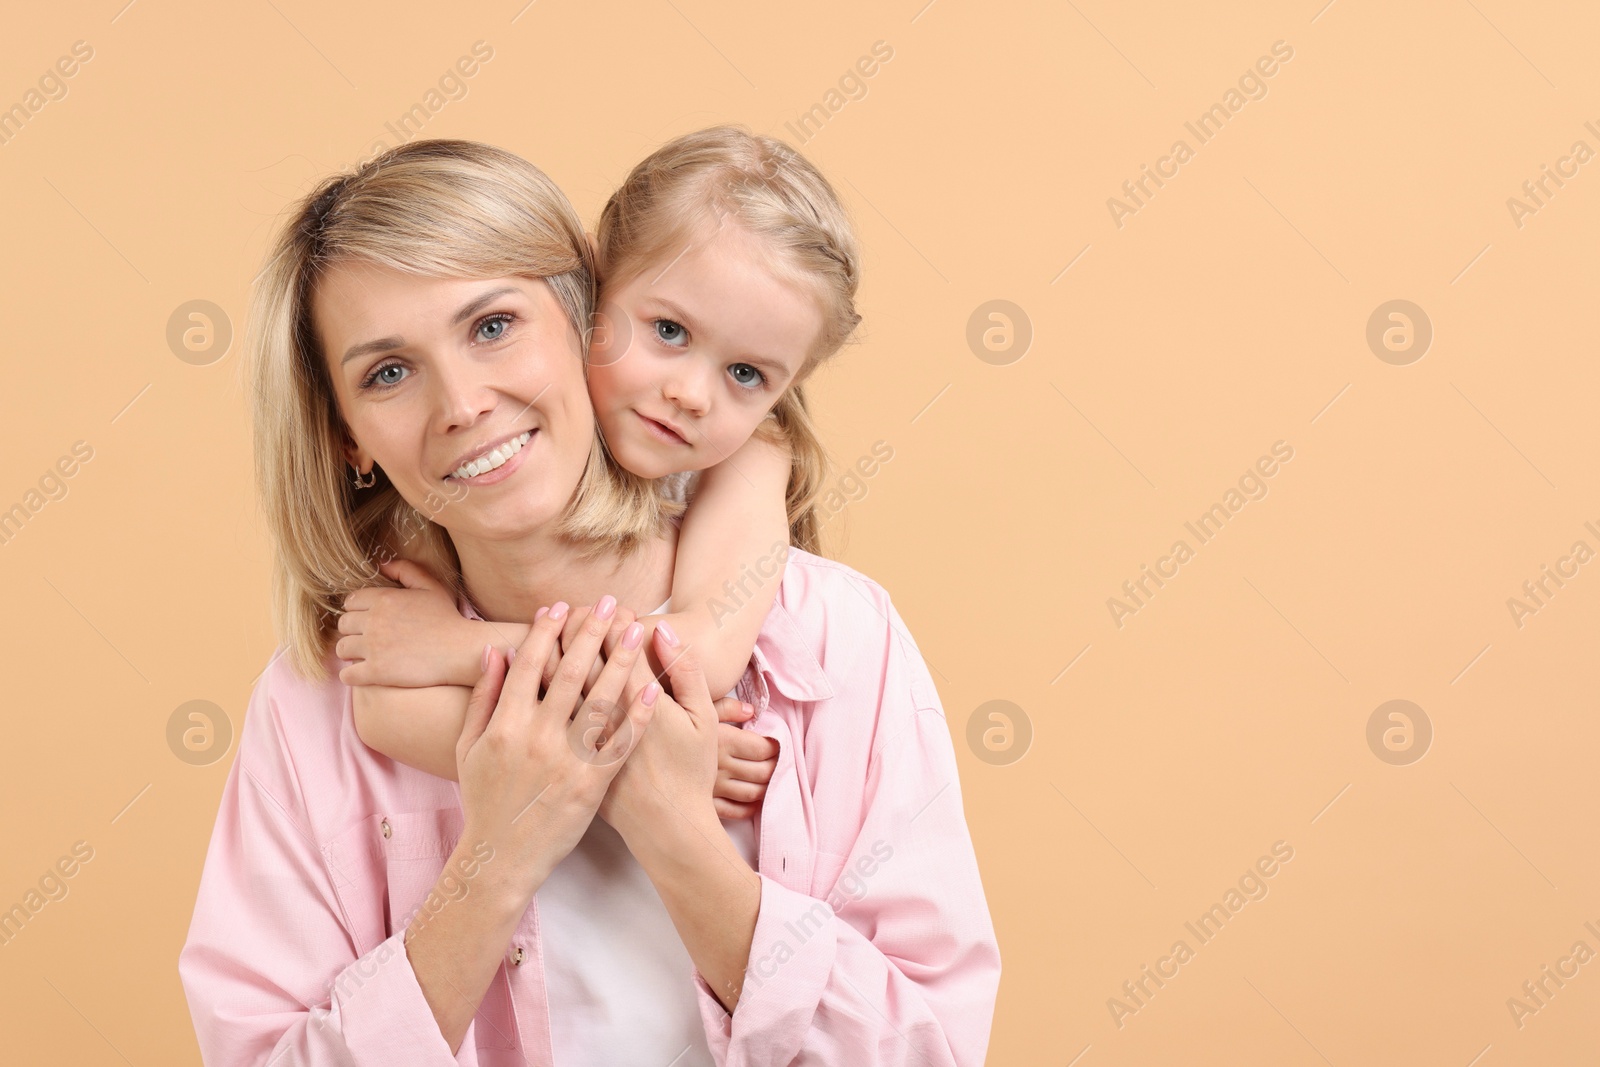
point(873, 943)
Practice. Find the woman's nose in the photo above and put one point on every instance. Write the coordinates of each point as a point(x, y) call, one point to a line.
point(462, 398)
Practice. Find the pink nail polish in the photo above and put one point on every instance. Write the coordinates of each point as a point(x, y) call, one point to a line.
point(541, 613)
point(651, 691)
point(511, 655)
point(607, 605)
point(666, 633)
point(633, 636)
point(559, 612)
point(485, 665)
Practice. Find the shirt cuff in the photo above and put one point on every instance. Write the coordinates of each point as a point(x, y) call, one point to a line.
point(382, 1013)
point(791, 956)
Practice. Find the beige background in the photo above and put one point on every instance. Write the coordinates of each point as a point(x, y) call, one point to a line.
point(1228, 313)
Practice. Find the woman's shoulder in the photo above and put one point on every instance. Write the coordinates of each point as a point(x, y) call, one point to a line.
point(299, 746)
point(853, 626)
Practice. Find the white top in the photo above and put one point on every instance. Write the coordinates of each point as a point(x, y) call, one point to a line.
point(621, 984)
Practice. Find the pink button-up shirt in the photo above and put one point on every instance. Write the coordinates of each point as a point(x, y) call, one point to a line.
point(873, 943)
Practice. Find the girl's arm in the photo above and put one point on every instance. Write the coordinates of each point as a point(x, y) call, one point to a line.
point(731, 552)
point(415, 635)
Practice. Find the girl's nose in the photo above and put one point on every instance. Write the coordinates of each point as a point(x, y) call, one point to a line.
point(689, 392)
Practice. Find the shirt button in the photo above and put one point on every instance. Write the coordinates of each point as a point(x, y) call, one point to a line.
point(516, 957)
point(385, 828)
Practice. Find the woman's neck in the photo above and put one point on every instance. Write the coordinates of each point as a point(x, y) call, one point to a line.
point(509, 581)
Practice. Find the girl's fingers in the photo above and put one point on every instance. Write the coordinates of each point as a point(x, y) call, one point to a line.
point(737, 791)
point(409, 574)
point(744, 745)
point(729, 810)
point(760, 772)
point(351, 622)
point(732, 709)
point(351, 647)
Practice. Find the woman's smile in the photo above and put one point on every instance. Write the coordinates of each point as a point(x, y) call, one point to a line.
point(493, 464)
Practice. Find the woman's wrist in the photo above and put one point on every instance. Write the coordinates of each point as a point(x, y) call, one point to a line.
point(667, 836)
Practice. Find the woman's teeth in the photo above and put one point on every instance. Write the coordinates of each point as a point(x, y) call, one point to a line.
point(486, 463)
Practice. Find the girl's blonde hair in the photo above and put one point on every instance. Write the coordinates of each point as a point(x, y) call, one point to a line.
point(436, 208)
point(726, 172)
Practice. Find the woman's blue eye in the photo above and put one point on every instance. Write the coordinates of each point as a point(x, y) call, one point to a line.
point(494, 327)
point(746, 375)
point(670, 332)
point(380, 376)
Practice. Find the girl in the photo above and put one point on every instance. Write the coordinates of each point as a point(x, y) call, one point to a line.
point(728, 270)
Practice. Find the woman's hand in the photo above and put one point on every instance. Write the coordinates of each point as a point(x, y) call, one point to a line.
point(745, 760)
point(673, 768)
point(408, 637)
point(531, 774)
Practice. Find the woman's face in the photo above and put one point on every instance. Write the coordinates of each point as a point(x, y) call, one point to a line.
point(468, 393)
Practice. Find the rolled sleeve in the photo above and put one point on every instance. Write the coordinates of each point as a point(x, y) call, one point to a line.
point(270, 966)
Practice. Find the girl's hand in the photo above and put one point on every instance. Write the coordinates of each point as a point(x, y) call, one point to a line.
point(532, 772)
point(402, 637)
point(673, 769)
point(745, 762)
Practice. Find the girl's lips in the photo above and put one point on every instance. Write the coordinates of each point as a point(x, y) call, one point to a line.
point(500, 473)
point(660, 431)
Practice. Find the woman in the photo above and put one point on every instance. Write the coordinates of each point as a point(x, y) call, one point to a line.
point(354, 910)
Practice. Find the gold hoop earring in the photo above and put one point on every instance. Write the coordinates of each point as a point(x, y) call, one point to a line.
point(372, 479)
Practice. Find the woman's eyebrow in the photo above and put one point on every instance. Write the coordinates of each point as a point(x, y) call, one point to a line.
point(385, 344)
point(475, 306)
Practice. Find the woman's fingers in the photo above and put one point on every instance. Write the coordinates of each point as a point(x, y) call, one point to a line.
point(351, 622)
point(564, 691)
point(683, 671)
point(607, 690)
point(483, 702)
point(522, 680)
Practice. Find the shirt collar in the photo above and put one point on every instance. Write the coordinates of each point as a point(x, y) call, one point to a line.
point(785, 656)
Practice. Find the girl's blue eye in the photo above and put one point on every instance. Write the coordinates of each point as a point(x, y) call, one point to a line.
point(671, 332)
point(380, 376)
point(746, 375)
point(494, 327)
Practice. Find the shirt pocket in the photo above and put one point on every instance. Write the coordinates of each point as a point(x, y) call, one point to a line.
point(384, 865)
point(384, 868)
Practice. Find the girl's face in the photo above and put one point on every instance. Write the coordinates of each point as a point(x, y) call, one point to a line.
point(692, 353)
point(468, 393)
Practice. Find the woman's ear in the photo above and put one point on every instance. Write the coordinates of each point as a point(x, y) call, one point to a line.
point(356, 456)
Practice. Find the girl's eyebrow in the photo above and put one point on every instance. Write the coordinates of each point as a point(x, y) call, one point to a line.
point(677, 312)
point(467, 310)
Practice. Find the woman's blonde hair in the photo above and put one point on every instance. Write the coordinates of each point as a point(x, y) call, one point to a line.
point(436, 208)
point(726, 172)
